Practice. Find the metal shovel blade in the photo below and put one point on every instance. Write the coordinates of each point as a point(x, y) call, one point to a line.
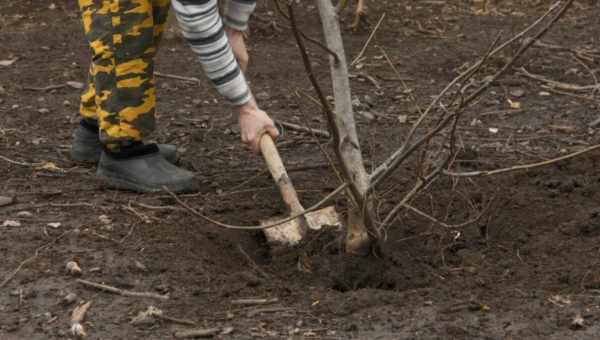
point(289, 233)
point(292, 232)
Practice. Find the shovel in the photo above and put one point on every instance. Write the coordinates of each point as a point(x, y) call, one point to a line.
point(292, 232)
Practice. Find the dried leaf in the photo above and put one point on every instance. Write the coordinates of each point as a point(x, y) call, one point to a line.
point(577, 322)
point(49, 166)
point(559, 300)
point(514, 104)
point(147, 317)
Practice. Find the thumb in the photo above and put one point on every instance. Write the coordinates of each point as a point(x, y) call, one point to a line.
point(273, 132)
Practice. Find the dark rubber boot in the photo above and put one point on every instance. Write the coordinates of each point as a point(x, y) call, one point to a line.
point(87, 148)
point(143, 169)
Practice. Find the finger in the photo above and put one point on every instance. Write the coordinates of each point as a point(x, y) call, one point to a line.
point(256, 141)
point(273, 132)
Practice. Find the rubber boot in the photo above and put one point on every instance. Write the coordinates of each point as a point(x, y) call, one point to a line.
point(86, 147)
point(142, 168)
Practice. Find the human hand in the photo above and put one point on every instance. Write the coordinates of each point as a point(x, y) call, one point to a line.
point(255, 122)
point(236, 40)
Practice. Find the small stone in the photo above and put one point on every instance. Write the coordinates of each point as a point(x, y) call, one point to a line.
point(263, 95)
point(11, 224)
point(104, 219)
point(227, 330)
point(5, 200)
point(517, 93)
point(402, 119)
point(69, 299)
point(73, 268)
point(140, 266)
point(54, 225)
point(75, 84)
point(67, 103)
point(43, 110)
point(367, 115)
point(163, 288)
point(24, 214)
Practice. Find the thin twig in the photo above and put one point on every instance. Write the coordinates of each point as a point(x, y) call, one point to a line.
point(174, 76)
point(122, 292)
point(315, 207)
point(18, 163)
point(252, 263)
point(386, 168)
point(45, 88)
point(254, 312)
point(558, 84)
point(38, 251)
point(301, 128)
point(521, 167)
point(197, 333)
point(364, 49)
point(443, 224)
point(251, 302)
point(307, 38)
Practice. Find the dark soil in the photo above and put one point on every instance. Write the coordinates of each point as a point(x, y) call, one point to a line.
point(525, 270)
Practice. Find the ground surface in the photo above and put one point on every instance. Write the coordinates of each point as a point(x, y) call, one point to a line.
point(523, 271)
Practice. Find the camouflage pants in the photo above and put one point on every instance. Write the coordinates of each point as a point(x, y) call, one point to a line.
point(123, 36)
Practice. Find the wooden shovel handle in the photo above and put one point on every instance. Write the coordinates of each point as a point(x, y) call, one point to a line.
point(279, 174)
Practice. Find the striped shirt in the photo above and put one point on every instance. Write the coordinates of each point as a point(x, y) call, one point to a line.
point(203, 28)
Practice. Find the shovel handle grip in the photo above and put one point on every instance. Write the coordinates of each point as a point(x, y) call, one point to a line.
point(279, 174)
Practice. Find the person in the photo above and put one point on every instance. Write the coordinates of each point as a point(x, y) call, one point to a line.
point(117, 107)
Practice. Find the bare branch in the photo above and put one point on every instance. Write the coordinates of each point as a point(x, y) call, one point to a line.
point(521, 167)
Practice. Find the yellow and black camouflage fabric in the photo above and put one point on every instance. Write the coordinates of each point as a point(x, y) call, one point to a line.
point(123, 36)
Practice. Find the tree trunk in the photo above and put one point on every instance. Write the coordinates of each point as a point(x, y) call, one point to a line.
point(358, 239)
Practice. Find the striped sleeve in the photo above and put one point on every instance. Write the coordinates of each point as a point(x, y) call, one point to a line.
point(237, 12)
point(202, 27)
